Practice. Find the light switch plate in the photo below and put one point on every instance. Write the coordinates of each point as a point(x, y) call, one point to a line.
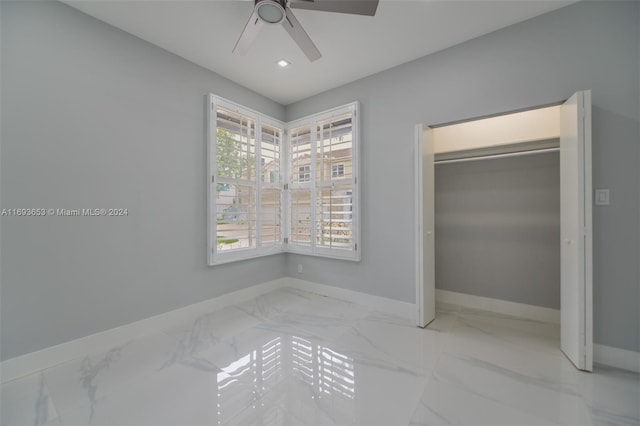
point(602, 197)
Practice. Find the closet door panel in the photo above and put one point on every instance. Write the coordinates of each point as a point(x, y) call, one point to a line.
point(425, 227)
point(575, 230)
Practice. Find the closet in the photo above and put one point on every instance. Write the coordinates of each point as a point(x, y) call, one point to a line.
point(513, 214)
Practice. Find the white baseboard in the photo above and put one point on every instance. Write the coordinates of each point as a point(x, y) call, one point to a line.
point(616, 357)
point(23, 365)
point(384, 304)
point(536, 313)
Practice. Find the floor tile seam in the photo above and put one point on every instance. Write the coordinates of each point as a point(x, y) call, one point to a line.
point(78, 407)
point(426, 379)
point(61, 418)
point(47, 389)
point(509, 330)
point(593, 410)
point(318, 338)
point(513, 339)
point(515, 328)
point(361, 306)
point(447, 341)
point(530, 413)
point(56, 421)
point(262, 398)
point(573, 383)
point(326, 342)
point(41, 387)
point(78, 359)
point(110, 391)
point(394, 359)
point(300, 421)
point(317, 298)
point(332, 301)
point(220, 338)
point(81, 405)
point(445, 421)
point(115, 390)
point(274, 311)
point(575, 387)
point(49, 368)
point(500, 337)
point(418, 369)
point(495, 314)
point(211, 343)
point(292, 310)
point(373, 349)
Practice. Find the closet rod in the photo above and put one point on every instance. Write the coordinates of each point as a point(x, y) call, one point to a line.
point(505, 155)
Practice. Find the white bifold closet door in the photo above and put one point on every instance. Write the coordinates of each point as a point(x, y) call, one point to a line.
point(576, 281)
point(576, 278)
point(425, 228)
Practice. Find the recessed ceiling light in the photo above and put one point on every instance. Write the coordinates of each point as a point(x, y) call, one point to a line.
point(283, 63)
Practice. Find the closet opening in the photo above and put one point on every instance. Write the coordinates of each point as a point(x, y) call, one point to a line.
point(503, 218)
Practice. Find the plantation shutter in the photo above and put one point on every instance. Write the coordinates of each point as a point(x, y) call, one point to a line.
point(323, 192)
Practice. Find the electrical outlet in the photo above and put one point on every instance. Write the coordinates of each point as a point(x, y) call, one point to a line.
point(602, 197)
point(299, 268)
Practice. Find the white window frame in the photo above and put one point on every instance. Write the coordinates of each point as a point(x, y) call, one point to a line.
point(313, 249)
point(214, 256)
point(285, 174)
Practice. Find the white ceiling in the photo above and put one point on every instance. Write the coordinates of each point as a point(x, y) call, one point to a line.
point(205, 32)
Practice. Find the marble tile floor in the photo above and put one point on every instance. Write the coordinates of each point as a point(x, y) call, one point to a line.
point(295, 358)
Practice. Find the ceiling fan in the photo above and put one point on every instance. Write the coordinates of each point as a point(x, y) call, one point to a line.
point(273, 12)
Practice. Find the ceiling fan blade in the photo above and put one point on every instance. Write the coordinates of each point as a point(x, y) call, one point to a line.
point(300, 36)
point(248, 35)
point(354, 7)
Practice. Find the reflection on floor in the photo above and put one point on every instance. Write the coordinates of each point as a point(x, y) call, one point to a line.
point(291, 357)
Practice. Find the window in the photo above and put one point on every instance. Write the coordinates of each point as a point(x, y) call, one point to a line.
point(304, 173)
point(265, 174)
point(246, 192)
point(323, 208)
point(337, 170)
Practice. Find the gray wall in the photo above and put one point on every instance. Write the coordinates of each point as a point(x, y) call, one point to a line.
point(498, 228)
point(94, 117)
point(588, 45)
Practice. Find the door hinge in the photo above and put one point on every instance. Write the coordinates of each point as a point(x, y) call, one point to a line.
point(286, 186)
point(356, 247)
point(286, 240)
point(213, 179)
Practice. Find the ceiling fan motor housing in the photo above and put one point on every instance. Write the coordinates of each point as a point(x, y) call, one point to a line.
point(279, 12)
point(271, 11)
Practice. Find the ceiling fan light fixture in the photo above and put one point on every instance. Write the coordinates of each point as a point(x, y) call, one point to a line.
point(270, 12)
